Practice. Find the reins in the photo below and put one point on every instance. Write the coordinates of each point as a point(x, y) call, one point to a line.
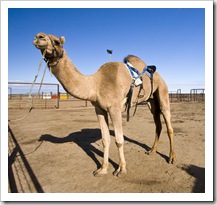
point(32, 86)
point(49, 63)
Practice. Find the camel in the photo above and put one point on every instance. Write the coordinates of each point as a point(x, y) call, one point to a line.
point(107, 90)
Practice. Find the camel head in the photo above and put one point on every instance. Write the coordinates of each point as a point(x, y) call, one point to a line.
point(51, 45)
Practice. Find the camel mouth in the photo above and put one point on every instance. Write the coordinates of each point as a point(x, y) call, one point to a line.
point(49, 45)
point(40, 44)
point(40, 41)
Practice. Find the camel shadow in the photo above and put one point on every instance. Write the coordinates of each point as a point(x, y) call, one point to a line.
point(84, 140)
point(147, 148)
point(143, 145)
point(199, 174)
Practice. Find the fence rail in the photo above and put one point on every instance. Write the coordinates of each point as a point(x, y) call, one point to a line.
point(50, 97)
point(194, 95)
point(21, 102)
point(186, 97)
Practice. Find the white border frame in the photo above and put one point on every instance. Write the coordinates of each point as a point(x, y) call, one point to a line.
point(207, 196)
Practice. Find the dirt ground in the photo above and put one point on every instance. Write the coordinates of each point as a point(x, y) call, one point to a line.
point(57, 151)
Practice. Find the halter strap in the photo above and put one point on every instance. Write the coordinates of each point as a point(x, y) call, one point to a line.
point(53, 60)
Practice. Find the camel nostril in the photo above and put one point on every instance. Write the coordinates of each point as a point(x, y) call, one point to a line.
point(39, 37)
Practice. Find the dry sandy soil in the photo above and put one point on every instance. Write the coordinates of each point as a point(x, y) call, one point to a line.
point(57, 151)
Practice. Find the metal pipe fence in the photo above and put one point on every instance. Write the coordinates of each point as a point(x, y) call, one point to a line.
point(21, 95)
point(50, 97)
point(194, 95)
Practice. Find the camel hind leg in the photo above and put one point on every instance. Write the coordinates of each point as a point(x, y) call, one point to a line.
point(160, 104)
point(167, 117)
point(155, 110)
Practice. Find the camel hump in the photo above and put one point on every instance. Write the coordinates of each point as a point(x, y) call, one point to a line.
point(131, 58)
point(136, 62)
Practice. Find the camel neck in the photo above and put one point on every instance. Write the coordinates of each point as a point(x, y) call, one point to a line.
point(75, 83)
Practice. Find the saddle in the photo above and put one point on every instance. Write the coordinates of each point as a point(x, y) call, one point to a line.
point(137, 80)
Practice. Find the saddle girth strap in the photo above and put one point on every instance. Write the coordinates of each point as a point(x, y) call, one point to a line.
point(141, 87)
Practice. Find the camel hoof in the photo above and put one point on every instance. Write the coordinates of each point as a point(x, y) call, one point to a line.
point(99, 173)
point(120, 172)
point(172, 160)
point(150, 152)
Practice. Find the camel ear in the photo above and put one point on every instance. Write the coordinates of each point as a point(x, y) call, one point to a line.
point(62, 39)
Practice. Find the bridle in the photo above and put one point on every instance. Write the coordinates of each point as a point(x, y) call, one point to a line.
point(54, 57)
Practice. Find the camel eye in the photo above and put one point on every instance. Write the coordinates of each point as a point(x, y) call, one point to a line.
point(56, 42)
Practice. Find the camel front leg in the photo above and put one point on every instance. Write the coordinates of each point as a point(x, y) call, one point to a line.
point(103, 121)
point(116, 118)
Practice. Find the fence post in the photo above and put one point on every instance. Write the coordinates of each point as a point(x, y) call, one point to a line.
point(10, 92)
point(179, 95)
point(58, 96)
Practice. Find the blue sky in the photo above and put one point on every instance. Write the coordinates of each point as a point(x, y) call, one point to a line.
point(172, 39)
